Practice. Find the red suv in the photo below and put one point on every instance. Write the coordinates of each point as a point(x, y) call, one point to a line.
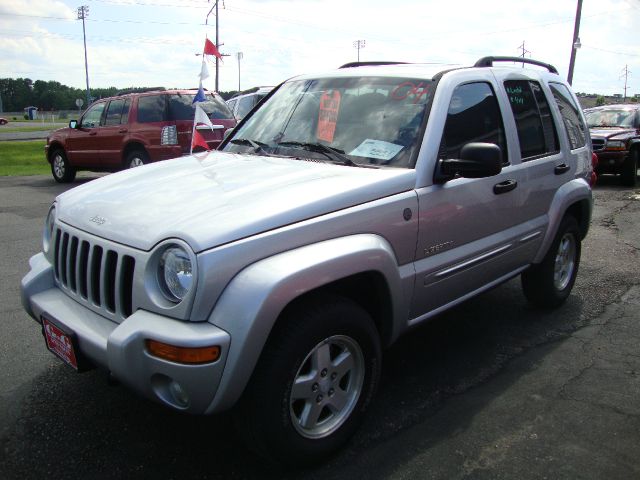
point(132, 129)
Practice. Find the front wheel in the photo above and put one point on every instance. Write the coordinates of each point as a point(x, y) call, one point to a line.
point(60, 169)
point(629, 174)
point(313, 383)
point(549, 283)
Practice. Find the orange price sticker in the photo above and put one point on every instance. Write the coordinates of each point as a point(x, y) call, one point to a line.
point(328, 115)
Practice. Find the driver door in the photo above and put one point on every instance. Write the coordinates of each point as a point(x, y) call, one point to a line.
point(83, 145)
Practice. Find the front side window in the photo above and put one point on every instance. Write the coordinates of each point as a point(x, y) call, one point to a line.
point(91, 118)
point(571, 118)
point(536, 130)
point(347, 120)
point(151, 108)
point(473, 116)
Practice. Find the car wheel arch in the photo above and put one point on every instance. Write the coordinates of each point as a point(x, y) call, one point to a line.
point(130, 147)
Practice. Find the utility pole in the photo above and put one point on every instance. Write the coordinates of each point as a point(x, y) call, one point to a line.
point(524, 51)
point(359, 44)
point(575, 44)
point(83, 12)
point(239, 56)
point(625, 74)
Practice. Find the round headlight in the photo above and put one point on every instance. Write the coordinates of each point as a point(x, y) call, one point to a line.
point(49, 224)
point(175, 274)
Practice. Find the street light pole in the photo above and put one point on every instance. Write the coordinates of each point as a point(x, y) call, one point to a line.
point(575, 44)
point(359, 44)
point(83, 12)
point(239, 56)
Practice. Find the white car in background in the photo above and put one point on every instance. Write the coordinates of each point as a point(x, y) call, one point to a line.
point(243, 102)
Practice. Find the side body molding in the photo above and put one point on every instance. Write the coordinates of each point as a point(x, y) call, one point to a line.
point(576, 192)
point(253, 300)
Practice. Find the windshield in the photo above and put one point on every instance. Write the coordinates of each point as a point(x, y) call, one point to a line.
point(357, 121)
point(614, 117)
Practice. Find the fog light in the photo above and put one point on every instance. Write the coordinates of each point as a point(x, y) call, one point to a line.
point(179, 394)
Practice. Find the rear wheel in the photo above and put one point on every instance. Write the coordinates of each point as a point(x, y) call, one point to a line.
point(136, 158)
point(313, 383)
point(60, 169)
point(549, 283)
point(629, 174)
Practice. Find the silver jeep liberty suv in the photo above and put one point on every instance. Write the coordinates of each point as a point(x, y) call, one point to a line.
point(349, 208)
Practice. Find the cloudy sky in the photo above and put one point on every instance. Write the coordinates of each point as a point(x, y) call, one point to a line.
point(154, 42)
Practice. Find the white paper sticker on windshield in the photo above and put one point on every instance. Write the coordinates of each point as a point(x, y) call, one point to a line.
point(377, 149)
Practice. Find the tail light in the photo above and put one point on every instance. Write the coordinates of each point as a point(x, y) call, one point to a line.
point(594, 164)
point(169, 135)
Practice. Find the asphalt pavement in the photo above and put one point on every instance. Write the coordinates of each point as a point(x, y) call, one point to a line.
point(491, 389)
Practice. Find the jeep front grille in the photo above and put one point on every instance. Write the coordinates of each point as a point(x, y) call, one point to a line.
point(598, 144)
point(95, 275)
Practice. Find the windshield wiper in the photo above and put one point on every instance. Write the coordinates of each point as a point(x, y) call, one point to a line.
point(331, 153)
point(258, 147)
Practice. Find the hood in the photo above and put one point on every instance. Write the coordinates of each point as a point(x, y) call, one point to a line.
point(211, 199)
point(612, 132)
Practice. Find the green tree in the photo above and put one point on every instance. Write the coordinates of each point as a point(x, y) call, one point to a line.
point(599, 101)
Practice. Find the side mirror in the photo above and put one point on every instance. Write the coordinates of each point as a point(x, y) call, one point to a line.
point(477, 160)
point(73, 124)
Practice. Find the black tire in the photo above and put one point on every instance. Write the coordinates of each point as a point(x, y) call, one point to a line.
point(61, 170)
point(271, 413)
point(629, 173)
point(548, 284)
point(136, 158)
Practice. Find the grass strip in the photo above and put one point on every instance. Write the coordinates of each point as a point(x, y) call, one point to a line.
point(23, 158)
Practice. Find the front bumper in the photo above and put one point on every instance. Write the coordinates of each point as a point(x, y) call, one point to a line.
point(120, 348)
point(610, 162)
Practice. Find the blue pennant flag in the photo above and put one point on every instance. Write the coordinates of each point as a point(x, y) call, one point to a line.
point(200, 95)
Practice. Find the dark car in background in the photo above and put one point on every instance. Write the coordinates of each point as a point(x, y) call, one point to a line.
point(615, 135)
point(131, 129)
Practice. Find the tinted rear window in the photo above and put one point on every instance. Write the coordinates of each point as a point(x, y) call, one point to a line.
point(151, 108)
point(181, 107)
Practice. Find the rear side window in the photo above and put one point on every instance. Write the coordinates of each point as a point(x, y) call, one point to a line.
point(473, 116)
point(536, 130)
point(573, 124)
point(245, 104)
point(151, 108)
point(181, 107)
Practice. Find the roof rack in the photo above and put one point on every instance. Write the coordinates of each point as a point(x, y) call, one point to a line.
point(370, 64)
point(488, 62)
point(140, 90)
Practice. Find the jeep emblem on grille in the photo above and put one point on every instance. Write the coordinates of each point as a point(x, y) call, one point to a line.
point(98, 219)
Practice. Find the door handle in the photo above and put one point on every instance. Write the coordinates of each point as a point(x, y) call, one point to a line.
point(93, 133)
point(562, 168)
point(504, 187)
point(124, 130)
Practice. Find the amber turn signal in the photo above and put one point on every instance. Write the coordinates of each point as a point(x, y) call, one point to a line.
point(190, 355)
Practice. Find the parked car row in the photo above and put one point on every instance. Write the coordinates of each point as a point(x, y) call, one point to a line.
point(131, 129)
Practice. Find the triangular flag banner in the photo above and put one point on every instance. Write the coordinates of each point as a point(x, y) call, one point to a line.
point(211, 49)
point(204, 71)
point(201, 118)
point(198, 140)
point(200, 97)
